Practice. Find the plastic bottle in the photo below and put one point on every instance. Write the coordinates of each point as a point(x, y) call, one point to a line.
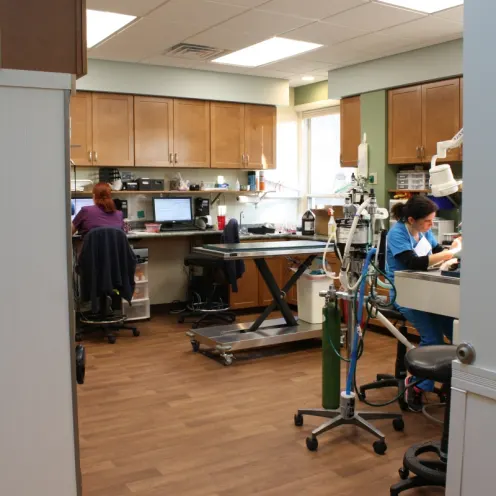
point(257, 183)
point(262, 181)
point(331, 226)
point(238, 186)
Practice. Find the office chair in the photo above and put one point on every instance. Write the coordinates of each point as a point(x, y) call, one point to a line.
point(106, 267)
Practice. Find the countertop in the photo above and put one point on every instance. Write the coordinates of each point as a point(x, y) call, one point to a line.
point(430, 275)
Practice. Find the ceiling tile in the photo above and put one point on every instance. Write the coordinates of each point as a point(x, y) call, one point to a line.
point(173, 62)
point(323, 33)
point(427, 30)
point(377, 44)
point(297, 66)
point(264, 24)
point(205, 13)
point(219, 37)
point(131, 7)
point(244, 3)
point(373, 17)
point(454, 14)
point(267, 72)
point(297, 81)
point(144, 38)
point(336, 55)
point(311, 9)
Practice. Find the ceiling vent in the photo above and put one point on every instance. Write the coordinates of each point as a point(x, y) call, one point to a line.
point(194, 52)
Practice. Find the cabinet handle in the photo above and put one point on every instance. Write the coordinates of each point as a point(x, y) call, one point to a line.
point(96, 156)
point(247, 159)
point(175, 158)
point(422, 151)
point(418, 151)
point(90, 156)
point(170, 158)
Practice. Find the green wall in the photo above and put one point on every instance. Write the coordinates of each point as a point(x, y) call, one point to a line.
point(310, 93)
point(373, 109)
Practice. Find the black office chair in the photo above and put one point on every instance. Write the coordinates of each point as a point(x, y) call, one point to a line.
point(398, 379)
point(434, 363)
point(106, 267)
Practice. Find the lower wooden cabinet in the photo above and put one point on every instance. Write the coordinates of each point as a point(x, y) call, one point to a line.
point(247, 295)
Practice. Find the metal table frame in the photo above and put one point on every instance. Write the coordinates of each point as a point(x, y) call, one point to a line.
point(262, 332)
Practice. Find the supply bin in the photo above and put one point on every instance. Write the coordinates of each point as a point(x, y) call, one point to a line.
point(310, 304)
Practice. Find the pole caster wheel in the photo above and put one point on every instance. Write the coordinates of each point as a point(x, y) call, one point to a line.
point(111, 339)
point(361, 395)
point(136, 333)
point(398, 425)
point(228, 361)
point(380, 447)
point(404, 473)
point(403, 404)
point(78, 337)
point(312, 443)
point(298, 419)
point(195, 345)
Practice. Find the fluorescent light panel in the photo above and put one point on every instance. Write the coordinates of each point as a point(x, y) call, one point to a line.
point(100, 25)
point(307, 78)
point(266, 52)
point(426, 6)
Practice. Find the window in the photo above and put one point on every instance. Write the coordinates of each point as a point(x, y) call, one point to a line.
point(322, 149)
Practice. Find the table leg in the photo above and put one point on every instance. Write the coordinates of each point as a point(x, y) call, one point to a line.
point(279, 301)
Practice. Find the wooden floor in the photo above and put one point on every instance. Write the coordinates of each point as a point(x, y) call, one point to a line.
point(156, 419)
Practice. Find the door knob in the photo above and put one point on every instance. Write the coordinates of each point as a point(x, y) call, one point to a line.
point(465, 352)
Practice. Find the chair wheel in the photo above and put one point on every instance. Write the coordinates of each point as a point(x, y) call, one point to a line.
point(195, 345)
point(398, 425)
point(312, 443)
point(78, 337)
point(180, 320)
point(194, 326)
point(404, 473)
point(361, 395)
point(403, 404)
point(298, 419)
point(228, 361)
point(136, 333)
point(380, 447)
point(111, 339)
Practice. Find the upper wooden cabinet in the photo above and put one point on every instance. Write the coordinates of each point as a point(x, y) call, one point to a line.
point(227, 135)
point(419, 117)
point(350, 131)
point(82, 129)
point(102, 129)
point(153, 131)
point(260, 137)
point(191, 133)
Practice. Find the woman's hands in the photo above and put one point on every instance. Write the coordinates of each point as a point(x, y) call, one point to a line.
point(457, 244)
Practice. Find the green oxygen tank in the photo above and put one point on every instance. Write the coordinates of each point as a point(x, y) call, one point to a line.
point(331, 363)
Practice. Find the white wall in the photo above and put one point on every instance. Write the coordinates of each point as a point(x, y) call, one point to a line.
point(122, 77)
point(37, 439)
point(434, 62)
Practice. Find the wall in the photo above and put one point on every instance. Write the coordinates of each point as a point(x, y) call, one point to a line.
point(434, 62)
point(121, 77)
point(310, 93)
point(38, 451)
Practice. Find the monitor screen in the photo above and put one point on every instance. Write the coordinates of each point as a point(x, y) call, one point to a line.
point(78, 203)
point(172, 210)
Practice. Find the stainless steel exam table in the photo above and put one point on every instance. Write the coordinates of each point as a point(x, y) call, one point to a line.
point(227, 339)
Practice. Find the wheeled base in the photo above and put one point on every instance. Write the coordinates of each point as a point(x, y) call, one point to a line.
point(386, 381)
point(346, 415)
point(108, 328)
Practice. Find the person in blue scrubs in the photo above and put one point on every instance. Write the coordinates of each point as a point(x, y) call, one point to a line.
point(412, 246)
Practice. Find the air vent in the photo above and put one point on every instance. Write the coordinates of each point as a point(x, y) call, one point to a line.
point(194, 52)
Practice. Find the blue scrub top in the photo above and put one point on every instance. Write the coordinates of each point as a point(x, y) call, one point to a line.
point(400, 240)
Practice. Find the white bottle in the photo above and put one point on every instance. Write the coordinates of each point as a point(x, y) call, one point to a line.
point(331, 226)
point(238, 186)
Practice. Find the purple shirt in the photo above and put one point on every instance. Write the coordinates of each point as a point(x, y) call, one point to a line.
point(92, 217)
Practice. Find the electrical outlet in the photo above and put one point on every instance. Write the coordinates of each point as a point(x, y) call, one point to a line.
point(373, 178)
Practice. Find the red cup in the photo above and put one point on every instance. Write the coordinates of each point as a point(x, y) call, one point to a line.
point(221, 222)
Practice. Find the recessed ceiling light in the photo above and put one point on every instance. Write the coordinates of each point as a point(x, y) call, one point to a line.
point(426, 6)
point(307, 78)
point(266, 52)
point(100, 25)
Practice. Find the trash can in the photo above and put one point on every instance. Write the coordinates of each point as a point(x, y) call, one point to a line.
point(310, 304)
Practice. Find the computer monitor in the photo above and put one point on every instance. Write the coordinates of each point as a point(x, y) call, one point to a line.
point(173, 210)
point(78, 203)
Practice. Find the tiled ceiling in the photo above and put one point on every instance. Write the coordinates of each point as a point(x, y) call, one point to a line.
point(351, 31)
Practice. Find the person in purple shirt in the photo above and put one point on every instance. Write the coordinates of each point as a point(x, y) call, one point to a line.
point(102, 214)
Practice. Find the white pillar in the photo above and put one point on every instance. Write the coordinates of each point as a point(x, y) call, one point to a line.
point(38, 440)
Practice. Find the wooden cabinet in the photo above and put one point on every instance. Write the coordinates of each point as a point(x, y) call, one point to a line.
point(191, 133)
point(102, 129)
point(350, 131)
point(260, 137)
point(81, 129)
point(227, 123)
point(153, 131)
point(405, 125)
point(419, 117)
point(113, 129)
point(276, 267)
point(440, 116)
point(247, 295)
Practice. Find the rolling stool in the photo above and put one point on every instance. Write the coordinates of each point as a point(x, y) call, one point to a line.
point(428, 362)
point(398, 379)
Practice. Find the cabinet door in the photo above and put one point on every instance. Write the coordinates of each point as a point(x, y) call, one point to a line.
point(260, 137)
point(153, 123)
point(461, 113)
point(247, 295)
point(276, 267)
point(405, 125)
point(350, 131)
point(191, 133)
point(440, 116)
point(113, 130)
point(81, 129)
point(227, 122)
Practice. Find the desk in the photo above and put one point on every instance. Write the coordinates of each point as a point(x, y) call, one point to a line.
point(262, 332)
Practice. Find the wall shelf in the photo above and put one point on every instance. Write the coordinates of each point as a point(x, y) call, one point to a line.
point(409, 191)
point(187, 193)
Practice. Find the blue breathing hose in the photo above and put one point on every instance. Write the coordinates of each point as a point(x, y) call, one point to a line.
point(356, 337)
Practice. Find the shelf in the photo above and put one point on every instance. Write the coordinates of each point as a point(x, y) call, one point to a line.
point(409, 190)
point(169, 192)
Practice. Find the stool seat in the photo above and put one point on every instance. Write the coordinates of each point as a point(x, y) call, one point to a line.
point(392, 314)
point(431, 362)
